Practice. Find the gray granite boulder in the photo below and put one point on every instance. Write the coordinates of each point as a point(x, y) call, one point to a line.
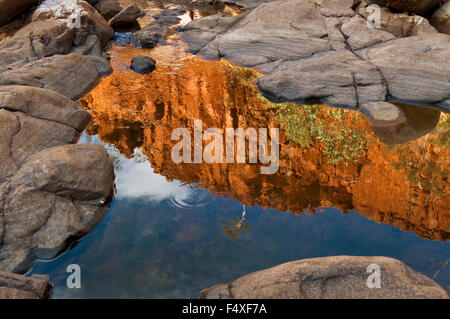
point(343, 277)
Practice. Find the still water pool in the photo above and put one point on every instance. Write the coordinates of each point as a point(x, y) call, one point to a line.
point(342, 188)
point(164, 239)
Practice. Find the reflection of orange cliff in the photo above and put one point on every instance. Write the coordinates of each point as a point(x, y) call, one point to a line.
point(131, 110)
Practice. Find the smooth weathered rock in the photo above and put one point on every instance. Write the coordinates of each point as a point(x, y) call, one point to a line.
point(57, 196)
point(336, 77)
point(419, 122)
point(127, 16)
point(143, 64)
point(343, 277)
point(71, 75)
point(149, 36)
point(9, 9)
point(324, 50)
point(413, 68)
point(91, 46)
point(108, 8)
point(441, 19)
point(78, 15)
point(13, 286)
point(35, 119)
point(43, 104)
point(383, 113)
point(50, 193)
point(102, 65)
point(35, 41)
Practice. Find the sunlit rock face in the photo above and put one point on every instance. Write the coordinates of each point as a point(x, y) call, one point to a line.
point(404, 184)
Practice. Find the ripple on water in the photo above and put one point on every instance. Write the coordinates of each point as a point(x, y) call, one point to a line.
point(192, 197)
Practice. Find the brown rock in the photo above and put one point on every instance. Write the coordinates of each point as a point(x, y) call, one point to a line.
point(43, 104)
point(74, 12)
point(56, 197)
point(71, 75)
point(127, 16)
point(441, 19)
point(343, 277)
point(11, 8)
point(108, 8)
point(8, 128)
point(399, 24)
point(13, 286)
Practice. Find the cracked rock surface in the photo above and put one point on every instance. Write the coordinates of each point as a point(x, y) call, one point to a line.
point(343, 277)
point(325, 50)
point(14, 286)
point(52, 191)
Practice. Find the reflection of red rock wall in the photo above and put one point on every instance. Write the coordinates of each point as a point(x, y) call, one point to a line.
point(133, 110)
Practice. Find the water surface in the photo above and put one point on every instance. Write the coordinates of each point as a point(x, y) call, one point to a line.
point(343, 187)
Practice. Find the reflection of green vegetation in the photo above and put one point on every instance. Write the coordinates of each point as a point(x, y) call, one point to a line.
point(419, 167)
point(442, 133)
point(239, 76)
point(420, 170)
point(233, 228)
point(306, 124)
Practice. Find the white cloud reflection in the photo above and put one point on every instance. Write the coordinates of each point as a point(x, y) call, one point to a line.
point(138, 180)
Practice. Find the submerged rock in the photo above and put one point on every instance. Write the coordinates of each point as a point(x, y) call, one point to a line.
point(143, 64)
point(14, 286)
point(343, 277)
point(383, 113)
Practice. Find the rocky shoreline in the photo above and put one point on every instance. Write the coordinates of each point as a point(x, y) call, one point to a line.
point(317, 50)
point(54, 191)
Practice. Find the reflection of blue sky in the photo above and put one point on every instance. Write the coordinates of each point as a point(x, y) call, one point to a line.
point(136, 179)
point(155, 248)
